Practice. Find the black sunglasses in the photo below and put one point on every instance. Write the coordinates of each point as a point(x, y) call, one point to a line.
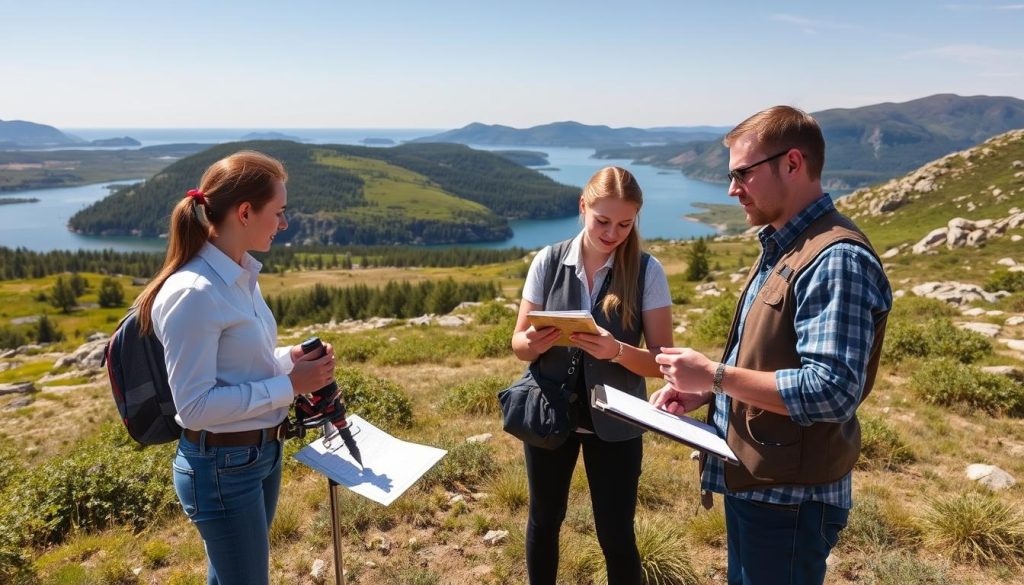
point(737, 174)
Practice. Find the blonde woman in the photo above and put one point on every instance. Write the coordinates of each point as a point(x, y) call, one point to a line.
point(231, 386)
point(602, 270)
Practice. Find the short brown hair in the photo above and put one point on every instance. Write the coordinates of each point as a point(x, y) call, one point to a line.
point(781, 127)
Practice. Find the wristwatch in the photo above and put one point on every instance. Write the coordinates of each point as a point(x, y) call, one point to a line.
point(716, 382)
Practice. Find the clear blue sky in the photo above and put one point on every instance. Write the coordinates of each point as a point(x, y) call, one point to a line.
point(440, 64)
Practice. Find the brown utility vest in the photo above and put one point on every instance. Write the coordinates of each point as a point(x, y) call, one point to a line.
point(773, 449)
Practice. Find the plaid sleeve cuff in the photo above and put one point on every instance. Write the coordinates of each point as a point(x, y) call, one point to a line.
point(788, 383)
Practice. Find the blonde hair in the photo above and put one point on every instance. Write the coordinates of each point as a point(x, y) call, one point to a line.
point(781, 127)
point(246, 176)
point(623, 292)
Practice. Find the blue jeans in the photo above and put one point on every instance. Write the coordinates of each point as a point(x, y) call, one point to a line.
point(775, 545)
point(230, 494)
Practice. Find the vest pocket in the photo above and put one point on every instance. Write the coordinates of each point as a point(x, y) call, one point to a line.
point(771, 430)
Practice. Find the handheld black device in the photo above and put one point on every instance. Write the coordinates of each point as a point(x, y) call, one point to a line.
point(324, 405)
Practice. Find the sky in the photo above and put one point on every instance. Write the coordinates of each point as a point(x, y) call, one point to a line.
point(444, 64)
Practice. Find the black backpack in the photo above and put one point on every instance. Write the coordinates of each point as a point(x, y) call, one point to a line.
point(138, 380)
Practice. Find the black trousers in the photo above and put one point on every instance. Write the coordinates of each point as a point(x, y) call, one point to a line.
point(613, 472)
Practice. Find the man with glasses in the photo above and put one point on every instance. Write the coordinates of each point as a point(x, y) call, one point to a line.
point(800, 358)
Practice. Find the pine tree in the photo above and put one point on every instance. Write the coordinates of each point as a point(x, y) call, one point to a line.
point(47, 332)
point(111, 293)
point(62, 296)
point(698, 261)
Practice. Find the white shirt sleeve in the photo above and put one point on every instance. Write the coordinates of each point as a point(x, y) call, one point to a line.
point(656, 292)
point(284, 358)
point(533, 288)
point(188, 325)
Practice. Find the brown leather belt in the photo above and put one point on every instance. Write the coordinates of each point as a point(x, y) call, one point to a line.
point(238, 438)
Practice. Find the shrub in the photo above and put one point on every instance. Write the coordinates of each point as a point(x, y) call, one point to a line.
point(495, 342)
point(492, 313)
point(156, 553)
point(913, 308)
point(933, 338)
point(377, 400)
point(713, 327)
point(11, 338)
point(104, 481)
point(477, 396)
point(901, 568)
point(881, 447)
point(948, 383)
point(1005, 280)
point(976, 528)
point(466, 465)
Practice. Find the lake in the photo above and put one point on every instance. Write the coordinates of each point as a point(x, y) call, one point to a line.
point(668, 195)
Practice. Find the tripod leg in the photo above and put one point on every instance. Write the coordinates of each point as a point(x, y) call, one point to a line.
point(339, 565)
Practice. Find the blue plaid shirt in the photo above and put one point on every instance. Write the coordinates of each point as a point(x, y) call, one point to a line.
point(838, 299)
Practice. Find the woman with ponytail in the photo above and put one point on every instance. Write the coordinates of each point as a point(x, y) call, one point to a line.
point(602, 270)
point(231, 386)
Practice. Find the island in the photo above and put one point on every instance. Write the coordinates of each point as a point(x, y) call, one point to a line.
point(370, 141)
point(13, 200)
point(526, 158)
point(113, 142)
point(271, 136)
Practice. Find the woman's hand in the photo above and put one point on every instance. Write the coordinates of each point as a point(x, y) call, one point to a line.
point(539, 341)
point(601, 345)
point(310, 372)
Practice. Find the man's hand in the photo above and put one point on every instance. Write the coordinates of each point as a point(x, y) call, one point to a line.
point(686, 370)
point(676, 402)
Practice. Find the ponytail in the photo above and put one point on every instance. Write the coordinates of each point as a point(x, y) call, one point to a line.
point(245, 176)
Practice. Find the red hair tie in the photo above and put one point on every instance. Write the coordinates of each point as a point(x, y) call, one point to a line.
point(198, 195)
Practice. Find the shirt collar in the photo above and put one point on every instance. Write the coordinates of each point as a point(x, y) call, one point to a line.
point(575, 255)
point(226, 268)
point(785, 235)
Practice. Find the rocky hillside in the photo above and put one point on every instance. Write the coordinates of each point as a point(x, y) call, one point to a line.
point(966, 198)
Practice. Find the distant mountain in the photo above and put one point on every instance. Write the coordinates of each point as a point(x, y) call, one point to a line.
point(567, 134)
point(21, 134)
point(270, 136)
point(413, 193)
point(864, 145)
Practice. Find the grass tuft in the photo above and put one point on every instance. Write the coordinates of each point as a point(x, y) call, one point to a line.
point(901, 568)
point(508, 489)
point(976, 528)
point(477, 396)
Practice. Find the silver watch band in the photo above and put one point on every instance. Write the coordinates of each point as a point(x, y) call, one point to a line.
point(716, 382)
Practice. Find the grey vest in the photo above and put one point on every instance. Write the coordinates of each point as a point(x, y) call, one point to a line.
point(562, 289)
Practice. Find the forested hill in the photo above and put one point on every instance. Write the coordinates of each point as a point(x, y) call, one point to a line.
point(864, 145)
point(416, 193)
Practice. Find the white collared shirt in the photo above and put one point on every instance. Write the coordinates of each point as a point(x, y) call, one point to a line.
point(655, 294)
point(219, 341)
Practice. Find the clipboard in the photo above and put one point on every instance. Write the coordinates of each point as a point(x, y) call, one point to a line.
point(683, 429)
